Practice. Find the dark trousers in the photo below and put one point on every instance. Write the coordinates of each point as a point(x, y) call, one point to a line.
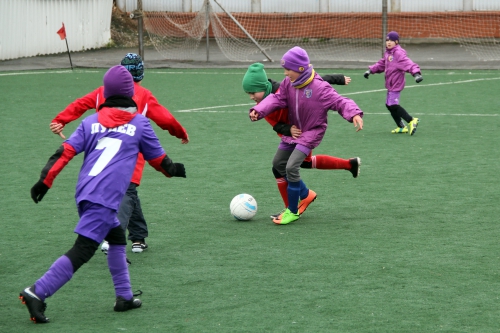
point(130, 215)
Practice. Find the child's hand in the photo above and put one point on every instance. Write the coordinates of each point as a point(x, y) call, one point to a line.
point(295, 132)
point(358, 123)
point(347, 80)
point(367, 74)
point(57, 128)
point(254, 116)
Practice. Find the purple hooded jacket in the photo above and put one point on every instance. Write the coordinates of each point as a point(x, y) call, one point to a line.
point(308, 109)
point(395, 64)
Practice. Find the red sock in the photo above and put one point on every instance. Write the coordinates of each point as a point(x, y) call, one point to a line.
point(326, 162)
point(283, 187)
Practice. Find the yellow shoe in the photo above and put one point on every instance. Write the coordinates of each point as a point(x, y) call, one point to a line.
point(400, 130)
point(413, 126)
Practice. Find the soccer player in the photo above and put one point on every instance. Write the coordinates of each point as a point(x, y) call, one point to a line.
point(257, 85)
point(395, 63)
point(308, 99)
point(130, 212)
point(111, 140)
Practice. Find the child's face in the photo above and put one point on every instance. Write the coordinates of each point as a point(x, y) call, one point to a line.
point(257, 97)
point(390, 44)
point(292, 75)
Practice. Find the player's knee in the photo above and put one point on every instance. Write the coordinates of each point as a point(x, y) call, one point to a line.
point(81, 252)
point(292, 175)
point(280, 168)
point(116, 236)
point(277, 174)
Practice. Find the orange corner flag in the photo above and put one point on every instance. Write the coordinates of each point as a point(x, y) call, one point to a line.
point(62, 32)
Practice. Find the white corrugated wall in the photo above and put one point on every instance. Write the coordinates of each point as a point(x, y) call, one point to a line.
point(288, 6)
point(29, 27)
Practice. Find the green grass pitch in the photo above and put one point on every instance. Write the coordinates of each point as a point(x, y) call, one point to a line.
point(412, 245)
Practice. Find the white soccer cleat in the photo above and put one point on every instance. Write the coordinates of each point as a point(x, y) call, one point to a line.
point(105, 247)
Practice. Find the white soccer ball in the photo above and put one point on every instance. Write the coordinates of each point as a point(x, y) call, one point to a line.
point(243, 207)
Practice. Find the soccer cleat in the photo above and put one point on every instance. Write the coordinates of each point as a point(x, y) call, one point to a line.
point(413, 126)
point(35, 305)
point(105, 247)
point(121, 304)
point(304, 203)
point(355, 166)
point(287, 217)
point(400, 130)
point(273, 216)
point(138, 247)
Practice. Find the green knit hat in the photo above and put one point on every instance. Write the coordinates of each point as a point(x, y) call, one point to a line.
point(255, 80)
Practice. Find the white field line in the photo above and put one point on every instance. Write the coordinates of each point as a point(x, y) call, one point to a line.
point(270, 73)
point(205, 110)
point(442, 114)
point(209, 73)
point(215, 107)
point(51, 72)
point(426, 85)
point(212, 108)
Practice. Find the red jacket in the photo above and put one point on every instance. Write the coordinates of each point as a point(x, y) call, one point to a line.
point(147, 105)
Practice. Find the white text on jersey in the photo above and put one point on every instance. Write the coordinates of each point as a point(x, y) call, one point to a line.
point(128, 129)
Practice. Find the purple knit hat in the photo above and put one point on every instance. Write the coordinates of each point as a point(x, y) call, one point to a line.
point(295, 59)
point(118, 81)
point(393, 35)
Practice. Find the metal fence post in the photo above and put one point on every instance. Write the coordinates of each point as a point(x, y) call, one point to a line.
point(384, 24)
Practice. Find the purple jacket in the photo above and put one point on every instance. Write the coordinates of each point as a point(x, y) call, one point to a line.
point(308, 109)
point(395, 64)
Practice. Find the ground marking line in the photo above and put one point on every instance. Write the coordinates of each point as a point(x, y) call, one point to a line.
point(249, 104)
point(366, 113)
point(215, 107)
point(51, 72)
point(442, 114)
point(222, 73)
point(426, 85)
point(353, 93)
point(271, 73)
point(27, 73)
point(209, 73)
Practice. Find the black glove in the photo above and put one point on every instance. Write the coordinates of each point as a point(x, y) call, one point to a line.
point(418, 77)
point(367, 73)
point(173, 169)
point(282, 128)
point(180, 171)
point(38, 191)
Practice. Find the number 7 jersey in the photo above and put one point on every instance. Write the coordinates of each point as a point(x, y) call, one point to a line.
point(110, 155)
